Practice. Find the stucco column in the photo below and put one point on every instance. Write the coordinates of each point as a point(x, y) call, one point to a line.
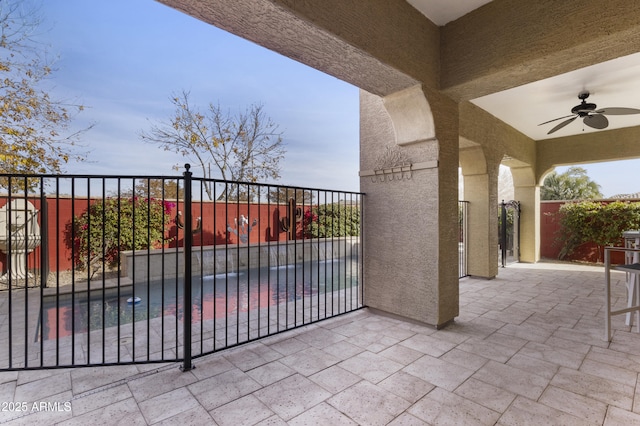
point(481, 191)
point(528, 193)
point(410, 219)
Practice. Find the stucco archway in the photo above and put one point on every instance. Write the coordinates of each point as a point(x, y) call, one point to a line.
point(413, 228)
point(411, 116)
point(527, 192)
point(480, 174)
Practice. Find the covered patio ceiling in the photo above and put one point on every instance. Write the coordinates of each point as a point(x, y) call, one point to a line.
point(613, 83)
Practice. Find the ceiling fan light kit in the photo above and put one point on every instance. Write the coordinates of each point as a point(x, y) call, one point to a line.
point(592, 117)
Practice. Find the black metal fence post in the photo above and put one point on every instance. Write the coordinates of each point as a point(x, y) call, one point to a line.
point(44, 242)
point(188, 244)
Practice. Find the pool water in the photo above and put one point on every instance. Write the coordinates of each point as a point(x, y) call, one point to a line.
point(213, 297)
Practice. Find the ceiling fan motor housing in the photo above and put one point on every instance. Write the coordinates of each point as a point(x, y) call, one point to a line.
point(583, 109)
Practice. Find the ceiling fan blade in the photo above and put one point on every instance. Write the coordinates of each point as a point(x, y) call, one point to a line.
point(597, 121)
point(618, 111)
point(555, 119)
point(561, 125)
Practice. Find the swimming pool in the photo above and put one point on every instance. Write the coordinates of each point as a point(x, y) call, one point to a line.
point(214, 297)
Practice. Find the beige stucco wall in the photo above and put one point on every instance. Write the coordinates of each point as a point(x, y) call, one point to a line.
point(507, 43)
point(383, 46)
point(446, 119)
point(612, 145)
point(493, 143)
point(377, 45)
point(480, 174)
point(410, 266)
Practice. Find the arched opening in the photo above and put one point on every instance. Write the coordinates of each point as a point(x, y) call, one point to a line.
point(598, 182)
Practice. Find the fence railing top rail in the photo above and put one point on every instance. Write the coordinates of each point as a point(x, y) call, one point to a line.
point(144, 177)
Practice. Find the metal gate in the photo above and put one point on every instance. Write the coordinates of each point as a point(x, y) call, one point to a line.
point(509, 232)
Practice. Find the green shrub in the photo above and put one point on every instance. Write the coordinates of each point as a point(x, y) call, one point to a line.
point(332, 220)
point(112, 225)
point(595, 222)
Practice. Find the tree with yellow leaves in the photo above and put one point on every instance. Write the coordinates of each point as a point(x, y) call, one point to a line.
point(35, 135)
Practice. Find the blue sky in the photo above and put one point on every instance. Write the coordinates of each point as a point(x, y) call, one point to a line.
point(614, 177)
point(124, 58)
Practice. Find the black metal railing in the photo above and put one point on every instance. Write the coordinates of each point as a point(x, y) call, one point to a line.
point(463, 214)
point(144, 269)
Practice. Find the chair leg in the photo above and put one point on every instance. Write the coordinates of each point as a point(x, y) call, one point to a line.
point(636, 290)
point(632, 294)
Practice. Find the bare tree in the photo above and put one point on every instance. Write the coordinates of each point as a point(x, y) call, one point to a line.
point(282, 194)
point(246, 147)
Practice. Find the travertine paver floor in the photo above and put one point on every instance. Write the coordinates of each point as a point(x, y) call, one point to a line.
point(527, 348)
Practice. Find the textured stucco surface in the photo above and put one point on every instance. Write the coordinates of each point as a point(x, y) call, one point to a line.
point(618, 144)
point(480, 174)
point(495, 143)
point(372, 26)
point(496, 137)
point(355, 41)
point(507, 43)
point(446, 119)
point(529, 197)
point(404, 269)
point(411, 116)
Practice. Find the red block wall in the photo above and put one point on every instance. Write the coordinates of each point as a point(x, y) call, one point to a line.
point(550, 245)
point(215, 217)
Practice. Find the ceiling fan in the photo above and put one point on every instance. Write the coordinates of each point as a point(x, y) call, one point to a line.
point(591, 116)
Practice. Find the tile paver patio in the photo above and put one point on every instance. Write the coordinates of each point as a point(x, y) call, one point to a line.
point(527, 348)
